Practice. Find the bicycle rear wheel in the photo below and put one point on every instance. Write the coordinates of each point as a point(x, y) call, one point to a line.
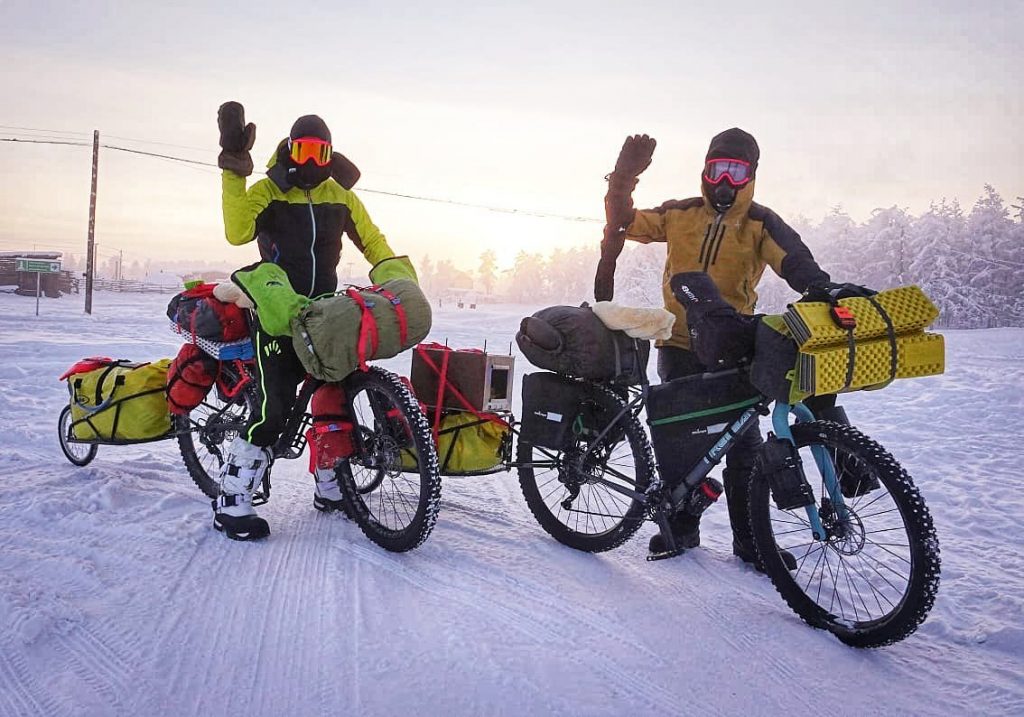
point(568, 492)
point(873, 579)
point(205, 432)
point(394, 509)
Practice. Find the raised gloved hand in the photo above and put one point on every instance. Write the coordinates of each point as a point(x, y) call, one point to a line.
point(830, 292)
point(635, 155)
point(236, 139)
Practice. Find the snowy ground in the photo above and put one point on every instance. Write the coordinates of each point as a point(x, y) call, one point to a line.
point(118, 598)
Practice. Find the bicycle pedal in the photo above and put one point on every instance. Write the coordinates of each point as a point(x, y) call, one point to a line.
point(665, 555)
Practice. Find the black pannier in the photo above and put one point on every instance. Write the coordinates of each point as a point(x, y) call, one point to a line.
point(688, 415)
point(558, 411)
point(573, 341)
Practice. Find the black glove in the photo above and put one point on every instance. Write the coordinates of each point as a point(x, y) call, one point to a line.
point(720, 336)
point(236, 139)
point(635, 155)
point(830, 292)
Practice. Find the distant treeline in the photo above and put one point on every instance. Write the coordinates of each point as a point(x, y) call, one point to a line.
point(970, 264)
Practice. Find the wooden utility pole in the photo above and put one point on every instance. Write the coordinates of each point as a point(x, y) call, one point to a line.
point(90, 253)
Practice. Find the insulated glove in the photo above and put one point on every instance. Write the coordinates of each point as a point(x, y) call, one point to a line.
point(635, 155)
point(236, 139)
point(830, 292)
point(720, 336)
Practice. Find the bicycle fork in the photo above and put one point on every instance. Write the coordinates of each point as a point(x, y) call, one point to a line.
point(780, 423)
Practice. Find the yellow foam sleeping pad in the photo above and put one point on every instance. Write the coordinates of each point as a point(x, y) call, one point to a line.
point(811, 324)
point(824, 350)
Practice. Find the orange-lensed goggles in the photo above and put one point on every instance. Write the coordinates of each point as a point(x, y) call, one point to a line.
point(305, 149)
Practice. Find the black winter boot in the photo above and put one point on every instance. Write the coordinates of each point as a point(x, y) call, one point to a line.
point(685, 532)
point(746, 552)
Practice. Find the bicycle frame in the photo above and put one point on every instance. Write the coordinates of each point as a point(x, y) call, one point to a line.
point(714, 455)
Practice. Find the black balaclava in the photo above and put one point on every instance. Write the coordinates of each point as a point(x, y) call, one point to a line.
point(308, 175)
point(731, 144)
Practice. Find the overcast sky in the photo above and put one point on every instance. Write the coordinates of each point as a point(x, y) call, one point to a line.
point(518, 105)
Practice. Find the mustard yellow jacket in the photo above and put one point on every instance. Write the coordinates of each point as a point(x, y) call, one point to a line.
point(297, 229)
point(733, 247)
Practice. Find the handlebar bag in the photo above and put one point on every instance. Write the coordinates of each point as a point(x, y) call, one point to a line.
point(573, 341)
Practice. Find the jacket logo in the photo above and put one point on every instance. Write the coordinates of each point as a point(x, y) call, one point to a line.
point(272, 348)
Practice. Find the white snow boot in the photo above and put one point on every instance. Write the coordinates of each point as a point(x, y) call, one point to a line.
point(241, 473)
point(327, 496)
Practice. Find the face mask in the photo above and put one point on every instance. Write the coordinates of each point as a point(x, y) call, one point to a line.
point(722, 196)
point(308, 175)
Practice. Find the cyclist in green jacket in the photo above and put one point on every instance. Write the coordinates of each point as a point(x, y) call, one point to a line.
point(296, 215)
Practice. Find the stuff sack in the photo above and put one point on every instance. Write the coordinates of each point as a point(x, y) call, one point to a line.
point(466, 443)
point(190, 377)
point(336, 335)
point(198, 312)
point(573, 341)
point(120, 401)
point(687, 416)
point(331, 438)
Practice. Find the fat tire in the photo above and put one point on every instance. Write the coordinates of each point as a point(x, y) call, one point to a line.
point(63, 426)
point(429, 499)
point(923, 583)
point(643, 459)
point(207, 483)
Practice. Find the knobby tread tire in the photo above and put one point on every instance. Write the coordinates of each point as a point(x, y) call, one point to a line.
point(208, 484)
point(419, 529)
point(923, 584)
point(643, 458)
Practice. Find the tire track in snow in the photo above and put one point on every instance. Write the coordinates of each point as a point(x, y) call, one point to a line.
point(20, 693)
point(98, 665)
point(523, 620)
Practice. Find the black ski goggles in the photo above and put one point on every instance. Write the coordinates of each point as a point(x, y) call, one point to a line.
point(735, 171)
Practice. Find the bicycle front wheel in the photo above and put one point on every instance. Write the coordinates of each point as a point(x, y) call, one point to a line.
point(572, 493)
point(394, 509)
point(874, 577)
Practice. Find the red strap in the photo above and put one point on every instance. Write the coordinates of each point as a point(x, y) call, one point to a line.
point(403, 322)
point(367, 330)
point(444, 385)
point(231, 392)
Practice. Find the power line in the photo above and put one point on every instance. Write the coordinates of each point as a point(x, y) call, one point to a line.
point(367, 190)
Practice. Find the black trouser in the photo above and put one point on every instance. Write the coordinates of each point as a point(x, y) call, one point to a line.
point(278, 374)
point(676, 363)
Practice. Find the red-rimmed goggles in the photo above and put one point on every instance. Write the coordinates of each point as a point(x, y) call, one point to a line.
point(305, 149)
point(735, 171)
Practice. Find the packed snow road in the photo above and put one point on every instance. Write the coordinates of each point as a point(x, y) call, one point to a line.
point(118, 598)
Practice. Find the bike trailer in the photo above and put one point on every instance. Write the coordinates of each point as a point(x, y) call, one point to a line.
point(687, 416)
point(457, 388)
point(118, 401)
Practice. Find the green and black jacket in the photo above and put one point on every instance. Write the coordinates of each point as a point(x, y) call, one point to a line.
point(733, 247)
point(299, 230)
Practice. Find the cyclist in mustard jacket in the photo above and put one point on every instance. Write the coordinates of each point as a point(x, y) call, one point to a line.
point(297, 215)
point(726, 235)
